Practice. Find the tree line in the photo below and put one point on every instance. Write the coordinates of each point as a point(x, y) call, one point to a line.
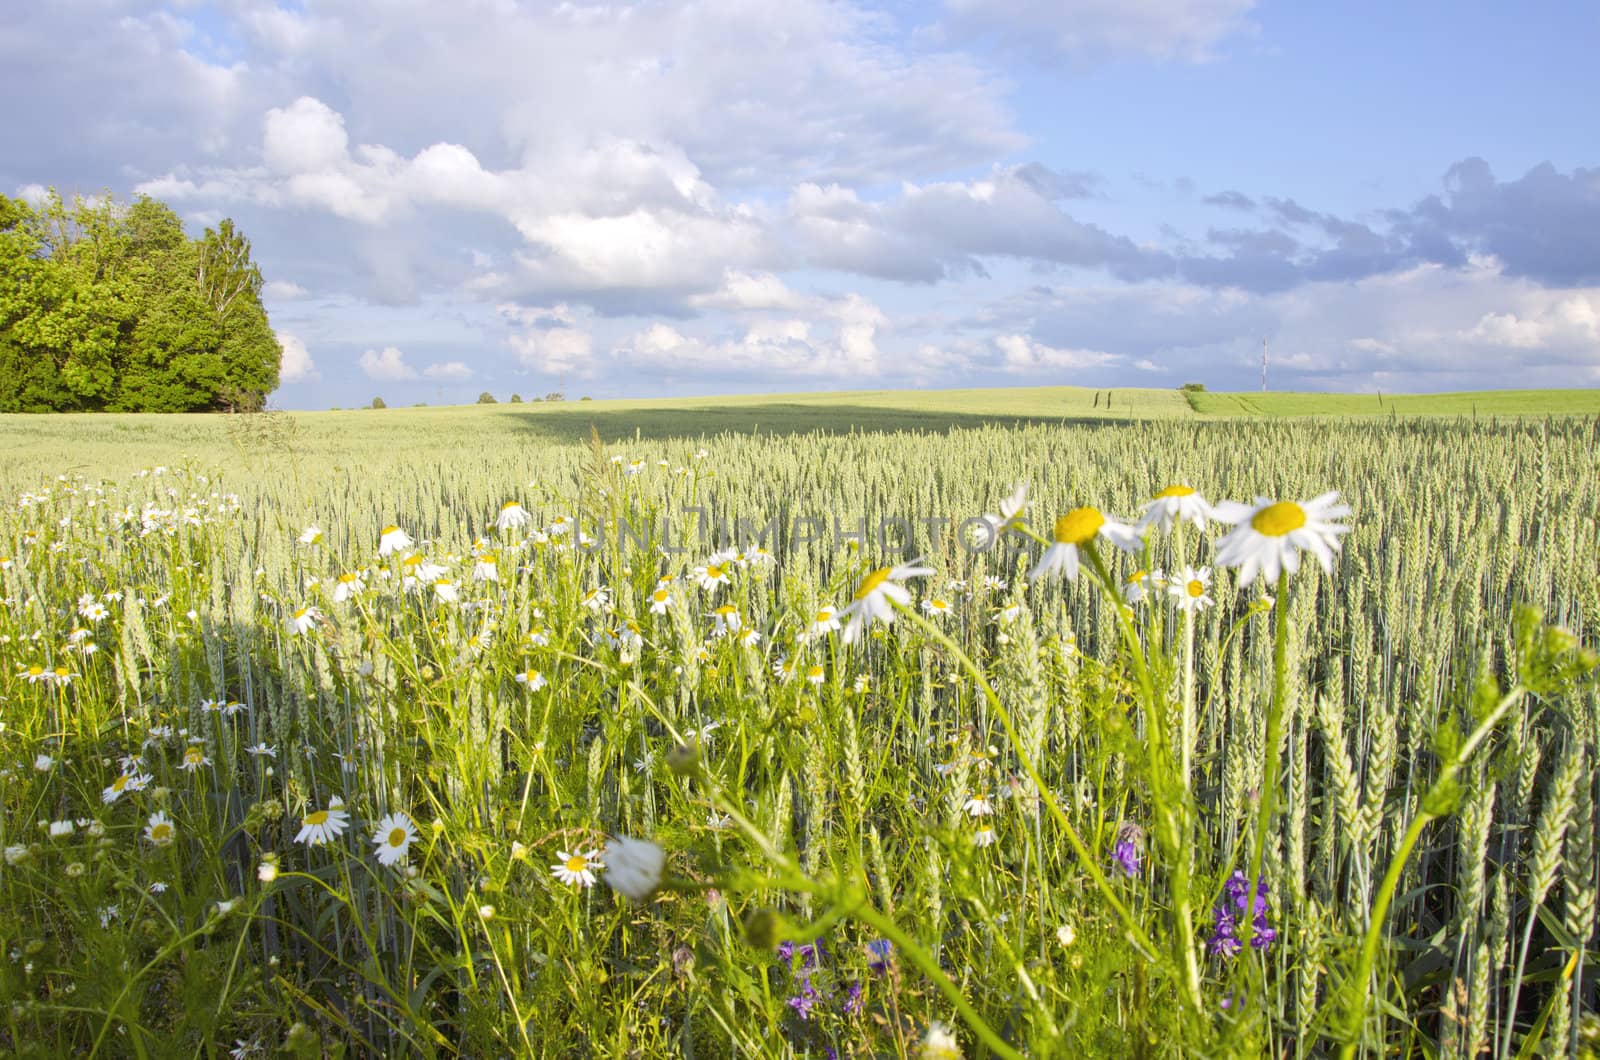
point(110, 307)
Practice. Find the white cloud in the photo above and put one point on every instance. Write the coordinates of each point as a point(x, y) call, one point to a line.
point(449, 370)
point(386, 364)
point(1020, 354)
point(282, 290)
point(305, 137)
point(770, 348)
point(555, 351)
point(295, 364)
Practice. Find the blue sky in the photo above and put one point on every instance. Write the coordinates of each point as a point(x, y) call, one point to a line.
point(711, 196)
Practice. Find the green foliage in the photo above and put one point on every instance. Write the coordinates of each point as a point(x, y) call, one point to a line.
point(516, 399)
point(379, 403)
point(486, 398)
point(110, 307)
point(1193, 388)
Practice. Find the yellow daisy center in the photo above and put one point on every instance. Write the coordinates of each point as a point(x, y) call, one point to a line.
point(1079, 526)
point(508, 505)
point(120, 783)
point(825, 615)
point(872, 581)
point(1276, 520)
point(1175, 491)
point(317, 818)
point(193, 754)
point(35, 670)
point(347, 578)
point(1138, 577)
point(576, 864)
point(397, 837)
point(727, 609)
point(389, 530)
point(411, 561)
point(62, 671)
point(161, 832)
point(1196, 587)
point(659, 595)
point(714, 570)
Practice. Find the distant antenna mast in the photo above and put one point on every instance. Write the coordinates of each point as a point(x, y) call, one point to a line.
point(1263, 366)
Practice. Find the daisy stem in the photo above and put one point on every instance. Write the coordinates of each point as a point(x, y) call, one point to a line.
point(1269, 748)
point(1188, 697)
point(1173, 811)
point(1135, 933)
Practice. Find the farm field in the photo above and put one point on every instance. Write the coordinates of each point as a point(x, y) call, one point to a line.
point(582, 729)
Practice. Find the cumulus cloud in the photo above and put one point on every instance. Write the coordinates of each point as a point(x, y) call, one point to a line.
point(282, 290)
point(1544, 225)
point(1020, 354)
point(386, 364)
point(1430, 327)
point(448, 370)
point(295, 364)
point(941, 229)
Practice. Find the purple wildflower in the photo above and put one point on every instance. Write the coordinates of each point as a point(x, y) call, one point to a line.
point(1126, 855)
point(881, 950)
point(1224, 939)
point(852, 1000)
point(805, 1000)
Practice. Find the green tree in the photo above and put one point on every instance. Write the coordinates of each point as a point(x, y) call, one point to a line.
point(110, 306)
point(487, 398)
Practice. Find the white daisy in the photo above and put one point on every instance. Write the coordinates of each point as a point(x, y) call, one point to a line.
point(1075, 530)
point(261, 750)
point(320, 826)
point(194, 759)
point(129, 781)
point(1013, 511)
point(392, 540)
point(311, 535)
point(660, 601)
point(446, 590)
point(160, 830)
point(726, 618)
point(1172, 505)
point(596, 599)
point(634, 867)
point(936, 607)
point(393, 836)
point(978, 806)
point(825, 621)
point(1192, 588)
point(717, 572)
point(348, 584)
point(1267, 537)
point(512, 515)
point(983, 837)
point(575, 869)
point(532, 680)
point(303, 620)
point(876, 596)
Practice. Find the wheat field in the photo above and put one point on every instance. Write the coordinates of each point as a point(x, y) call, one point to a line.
point(587, 732)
